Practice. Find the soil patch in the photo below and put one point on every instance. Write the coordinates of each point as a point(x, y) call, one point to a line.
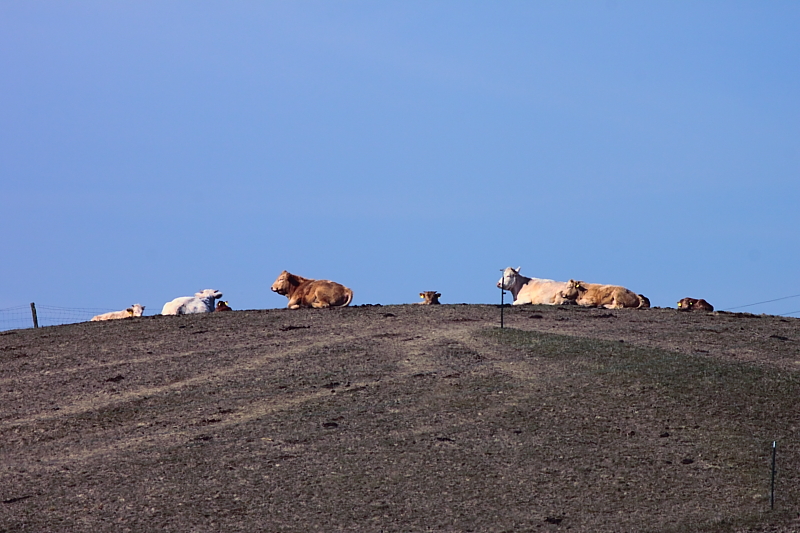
point(402, 418)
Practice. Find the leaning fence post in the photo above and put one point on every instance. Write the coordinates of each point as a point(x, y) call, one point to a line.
point(33, 312)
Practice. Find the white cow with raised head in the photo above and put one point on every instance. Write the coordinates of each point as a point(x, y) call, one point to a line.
point(532, 290)
point(201, 302)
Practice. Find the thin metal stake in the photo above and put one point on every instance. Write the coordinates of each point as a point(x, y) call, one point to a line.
point(502, 305)
point(772, 482)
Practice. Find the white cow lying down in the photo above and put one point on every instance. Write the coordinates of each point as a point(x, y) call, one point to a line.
point(134, 310)
point(532, 290)
point(201, 302)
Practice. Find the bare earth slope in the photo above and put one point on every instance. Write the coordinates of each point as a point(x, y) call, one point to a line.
point(402, 418)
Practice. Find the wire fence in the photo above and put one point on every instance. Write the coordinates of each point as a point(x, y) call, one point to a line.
point(21, 317)
point(766, 302)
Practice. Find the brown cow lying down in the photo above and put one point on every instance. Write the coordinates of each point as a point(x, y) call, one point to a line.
point(430, 298)
point(608, 296)
point(222, 306)
point(694, 304)
point(304, 292)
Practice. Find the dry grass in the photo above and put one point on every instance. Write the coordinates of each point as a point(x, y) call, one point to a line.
point(401, 418)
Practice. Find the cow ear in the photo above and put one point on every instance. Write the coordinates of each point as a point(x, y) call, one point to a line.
point(130, 311)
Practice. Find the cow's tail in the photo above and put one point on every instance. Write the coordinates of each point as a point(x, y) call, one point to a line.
point(644, 302)
point(349, 298)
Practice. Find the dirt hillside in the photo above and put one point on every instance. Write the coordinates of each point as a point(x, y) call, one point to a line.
point(403, 418)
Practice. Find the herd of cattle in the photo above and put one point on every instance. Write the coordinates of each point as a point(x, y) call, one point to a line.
point(318, 293)
point(546, 291)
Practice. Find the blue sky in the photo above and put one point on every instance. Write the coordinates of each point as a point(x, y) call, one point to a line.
point(149, 149)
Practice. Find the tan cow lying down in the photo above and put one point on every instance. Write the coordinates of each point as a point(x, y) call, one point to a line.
point(429, 298)
point(608, 296)
point(694, 304)
point(532, 290)
point(304, 292)
point(134, 310)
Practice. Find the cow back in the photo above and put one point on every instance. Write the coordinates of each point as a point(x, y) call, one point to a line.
point(542, 291)
point(322, 293)
point(694, 304)
point(609, 296)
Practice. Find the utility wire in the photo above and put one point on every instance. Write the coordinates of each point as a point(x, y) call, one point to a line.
point(759, 303)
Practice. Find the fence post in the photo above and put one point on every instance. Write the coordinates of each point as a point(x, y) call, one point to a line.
point(772, 479)
point(33, 312)
point(502, 305)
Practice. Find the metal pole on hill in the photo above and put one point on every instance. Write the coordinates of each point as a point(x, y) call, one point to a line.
point(772, 480)
point(502, 305)
point(33, 313)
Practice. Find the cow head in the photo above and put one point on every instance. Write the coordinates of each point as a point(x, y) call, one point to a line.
point(135, 310)
point(509, 278)
point(211, 294)
point(573, 290)
point(283, 284)
point(430, 297)
point(686, 304)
